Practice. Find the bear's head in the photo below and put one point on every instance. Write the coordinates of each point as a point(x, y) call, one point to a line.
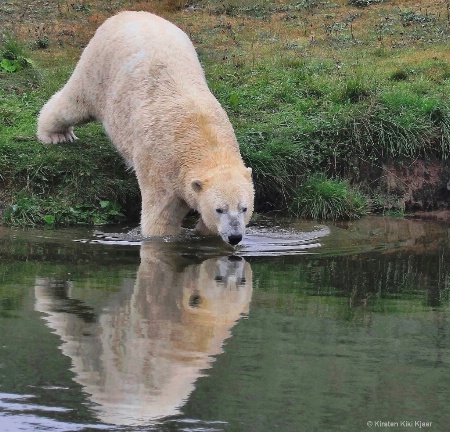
point(225, 201)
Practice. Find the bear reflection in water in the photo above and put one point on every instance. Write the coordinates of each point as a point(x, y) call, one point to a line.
point(139, 355)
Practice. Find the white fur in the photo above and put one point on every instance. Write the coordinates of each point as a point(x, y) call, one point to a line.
point(141, 78)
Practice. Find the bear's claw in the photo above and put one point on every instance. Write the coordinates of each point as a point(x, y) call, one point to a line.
point(58, 137)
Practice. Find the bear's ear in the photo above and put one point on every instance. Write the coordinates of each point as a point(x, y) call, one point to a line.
point(197, 185)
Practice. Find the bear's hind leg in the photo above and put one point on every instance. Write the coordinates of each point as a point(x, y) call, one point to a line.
point(59, 115)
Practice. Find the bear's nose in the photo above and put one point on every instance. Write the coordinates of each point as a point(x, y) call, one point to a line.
point(234, 239)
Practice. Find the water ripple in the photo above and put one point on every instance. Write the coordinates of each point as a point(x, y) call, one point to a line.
point(259, 241)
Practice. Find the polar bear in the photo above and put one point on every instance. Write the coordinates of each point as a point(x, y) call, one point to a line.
point(141, 78)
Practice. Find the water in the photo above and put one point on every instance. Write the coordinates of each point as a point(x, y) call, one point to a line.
point(305, 327)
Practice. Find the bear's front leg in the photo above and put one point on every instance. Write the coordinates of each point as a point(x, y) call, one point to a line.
point(162, 215)
point(202, 229)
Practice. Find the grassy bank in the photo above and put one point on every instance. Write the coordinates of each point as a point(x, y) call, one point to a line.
point(317, 92)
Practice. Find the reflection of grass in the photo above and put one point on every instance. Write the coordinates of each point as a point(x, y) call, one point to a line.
point(309, 87)
point(10, 301)
point(345, 287)
point(27, 259)
point(14, 284)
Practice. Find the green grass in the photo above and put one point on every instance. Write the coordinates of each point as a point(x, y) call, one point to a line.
point(320, 198)
point(13, 57)
point(311, 117)
point(312, 89)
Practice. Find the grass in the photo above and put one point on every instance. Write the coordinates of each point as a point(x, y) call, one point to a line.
point(315, 90)
point(294, 121)
point(12, 57)
point(321, 198)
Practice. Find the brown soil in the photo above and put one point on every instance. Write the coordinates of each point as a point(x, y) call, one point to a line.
point(422, 184)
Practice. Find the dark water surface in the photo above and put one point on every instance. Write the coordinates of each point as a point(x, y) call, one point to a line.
point(304, 328)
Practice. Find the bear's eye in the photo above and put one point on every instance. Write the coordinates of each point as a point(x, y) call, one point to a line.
point(219, 210)
point(244, 209)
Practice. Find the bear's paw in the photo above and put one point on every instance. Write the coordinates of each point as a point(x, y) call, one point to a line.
point(57, 137)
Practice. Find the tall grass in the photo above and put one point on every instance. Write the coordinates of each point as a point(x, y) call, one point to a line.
point(320, 198)
point(312, 117)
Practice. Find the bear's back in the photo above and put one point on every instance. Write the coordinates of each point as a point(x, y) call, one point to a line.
point(141, 43)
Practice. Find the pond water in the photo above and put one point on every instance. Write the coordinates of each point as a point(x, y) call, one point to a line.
point(304, 327)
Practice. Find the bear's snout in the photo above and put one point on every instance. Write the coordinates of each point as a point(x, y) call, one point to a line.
point(234, 239)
